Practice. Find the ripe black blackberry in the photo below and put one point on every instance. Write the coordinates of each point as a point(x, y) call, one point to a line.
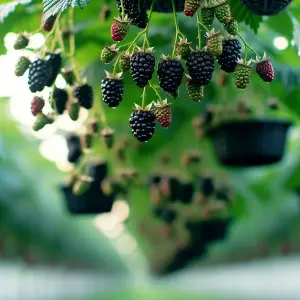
point(60, 99)
point(201, 66)
point(136, 10)
point(39, 73)
point(142, 124)
point(55, 62)
point(231, 55)
point(112, 89)
point(74, 147)
point(170, 73)
point(84, 94)
point(142, 65)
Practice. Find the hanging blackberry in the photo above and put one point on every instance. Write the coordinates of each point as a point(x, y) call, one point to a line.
point(22, 65)
point(195, 90)
point(264, 68)
point(232, 27)
point(60, 99)
point(214, 43)
point(170, 73)
point(142, 65)
point(112, 89)
point(242, 74)
point(223, 13)
point(136, 10)
point(142, 123)
point(183, 48)
point(41, 121)
point(191, 6)
point(21, 41)
point(201, 67)
point(68, 75)
point(47, 24)
point(119, 28)
point(109, 53)
point(124, 62)
point(55, 62)
point(74, 147)
point(231, 55)
point(207, 15)
point(74, 109)
point(39, 74)
point(163, 113)
point(84, 94)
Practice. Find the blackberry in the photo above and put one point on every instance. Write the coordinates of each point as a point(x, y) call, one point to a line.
point(124, 62)
point(47, 24)
point(60, 99)
point(136, 10)
point(142, 124)
point(112, 89)
point(39, 73)
point(142, 65)
point(230, 56)
point(170, 73)
point(22, 65)
point(21, 41)
point(84, 94)
point(55, 62)
point(169, 216)
point(74, 146)
point(37, 105)
point(195, 90)
point(201, 67)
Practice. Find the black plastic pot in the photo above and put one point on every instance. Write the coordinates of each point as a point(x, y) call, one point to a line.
point(266, 7)
point(92, 202)
point(251, 142)
point(165, 6)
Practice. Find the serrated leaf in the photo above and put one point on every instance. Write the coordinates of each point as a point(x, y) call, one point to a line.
point(242, 14)
point(7, 8)
point(53, 7)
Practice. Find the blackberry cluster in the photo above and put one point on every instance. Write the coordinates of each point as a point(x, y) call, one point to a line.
point(60, 99)
point(142, 124)
point(55, 62)
point(112, 91)
point(230, 56)
point(136, 10)
point(201, 67)
point(84, 94)
point(142, 67)
point(39, 73)
point(170, 73)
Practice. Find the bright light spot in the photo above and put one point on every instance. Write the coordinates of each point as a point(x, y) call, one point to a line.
point(106, 222)
point(121, 210)
point(9, 41)
point(64, 166)
point(54, 148)
point(36, 41)
point(126, 244)
point(281, 43)
point(65, 123)
point(60, 82)
point(115, 232)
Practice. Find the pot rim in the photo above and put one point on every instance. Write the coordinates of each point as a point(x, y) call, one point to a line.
point(284, 122)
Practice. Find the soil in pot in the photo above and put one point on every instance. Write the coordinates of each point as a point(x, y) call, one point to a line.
point(165, 6)
point(266, 7)
point(251, 142)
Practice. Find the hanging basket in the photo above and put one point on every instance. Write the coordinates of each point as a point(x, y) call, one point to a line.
point(165, 6)
point(266, 7)
point(92, 202)
point(250, 143)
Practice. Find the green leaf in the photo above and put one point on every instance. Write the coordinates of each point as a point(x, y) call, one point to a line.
point(53, 7)
point(6, 7)
point(242, 14)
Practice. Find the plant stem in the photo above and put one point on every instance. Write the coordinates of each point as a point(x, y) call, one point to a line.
point(144, 97)
point(155, 91)
point(59, 38)
point(176, 27)
point(122, 6)
point(247, 46)
point(199, 28)
point(72, 35)
point(116, 64)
